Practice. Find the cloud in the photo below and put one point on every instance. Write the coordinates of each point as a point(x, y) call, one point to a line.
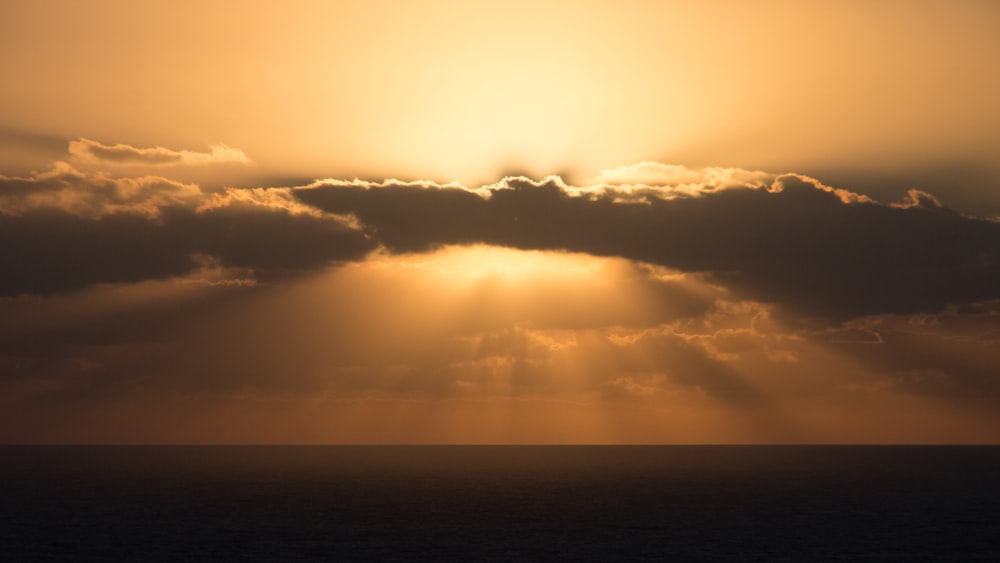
point(950, 354)
point(682, 178)
point(353, 330)
point(389, 330)
point(92, 195)
point(88, 151)
point(755, 297)
point(809, 248)
point(787, 240)
point(68, 229)
point(962, 185)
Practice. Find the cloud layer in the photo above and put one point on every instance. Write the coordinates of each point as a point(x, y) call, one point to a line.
point(401, 333)
point(710, 295)
point(65, 230)
point(782, 239)
point(814, 249)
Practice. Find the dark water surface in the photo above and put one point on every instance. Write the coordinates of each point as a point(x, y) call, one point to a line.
point(681, 503)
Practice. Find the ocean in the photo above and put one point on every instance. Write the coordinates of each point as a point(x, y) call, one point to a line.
point(508, 503)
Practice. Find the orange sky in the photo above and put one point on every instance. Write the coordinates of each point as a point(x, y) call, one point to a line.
point(613, 222)
point(465, 91)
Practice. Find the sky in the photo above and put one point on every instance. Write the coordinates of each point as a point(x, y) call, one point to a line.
point(499, 222)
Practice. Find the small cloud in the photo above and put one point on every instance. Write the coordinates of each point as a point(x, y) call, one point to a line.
point(637, 384)
point(89, 151)
point(278, 199)
point(918, 199)
point(658, 174)
point(807, 184)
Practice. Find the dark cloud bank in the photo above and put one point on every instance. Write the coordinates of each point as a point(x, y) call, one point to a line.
point(65, 230)
point(797, 244)
point(805, 247)
point(56, 251)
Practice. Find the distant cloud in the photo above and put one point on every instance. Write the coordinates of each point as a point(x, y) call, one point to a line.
point(93, 152)
point(918, 198)
point(353, 330)
point(389, 330)
point(949, 354)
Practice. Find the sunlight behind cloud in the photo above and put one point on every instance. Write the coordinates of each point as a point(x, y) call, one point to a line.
point(474, 262)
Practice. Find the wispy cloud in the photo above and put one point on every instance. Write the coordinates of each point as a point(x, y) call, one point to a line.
point(94, 152)
point(682, 178)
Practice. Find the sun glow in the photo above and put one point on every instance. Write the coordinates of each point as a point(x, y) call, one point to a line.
point(495, 262)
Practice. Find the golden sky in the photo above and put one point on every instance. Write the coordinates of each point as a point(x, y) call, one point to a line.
point(468, 90)
point(493, 222)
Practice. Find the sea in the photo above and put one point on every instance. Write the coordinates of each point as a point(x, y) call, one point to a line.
point(499, 503)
